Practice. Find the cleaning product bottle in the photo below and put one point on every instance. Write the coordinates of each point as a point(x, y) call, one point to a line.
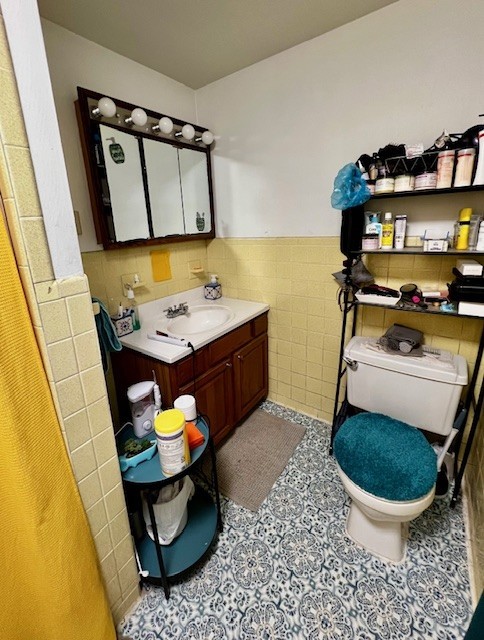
point(374, 226)
point(387, 232)
point(133, 309)
point(212, 290)
point(463, 225)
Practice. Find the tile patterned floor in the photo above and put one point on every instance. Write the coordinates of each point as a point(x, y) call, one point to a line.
point(289, 572)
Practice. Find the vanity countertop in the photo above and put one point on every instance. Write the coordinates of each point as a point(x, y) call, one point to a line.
point(152, 319)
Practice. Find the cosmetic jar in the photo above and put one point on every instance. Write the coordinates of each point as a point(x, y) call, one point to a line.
point(426, 180)
point(404, 182)
point(370, 242)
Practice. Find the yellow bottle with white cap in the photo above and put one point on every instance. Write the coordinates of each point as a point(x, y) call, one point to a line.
point(172, 441)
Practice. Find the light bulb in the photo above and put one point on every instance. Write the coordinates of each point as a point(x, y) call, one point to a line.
point(207, 138)
point(166, 125)
point(139, 117)
point(188, 132)
point(105, 107)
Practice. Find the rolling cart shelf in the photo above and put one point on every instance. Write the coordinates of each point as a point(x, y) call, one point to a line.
point(204, 519)
point(149, 472)
point(189, 547)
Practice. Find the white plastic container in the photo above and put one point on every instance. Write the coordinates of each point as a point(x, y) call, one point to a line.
point(423, 392)
point(172, 441)
point(187, 406)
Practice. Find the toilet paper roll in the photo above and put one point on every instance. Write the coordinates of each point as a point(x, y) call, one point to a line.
point(187, 405)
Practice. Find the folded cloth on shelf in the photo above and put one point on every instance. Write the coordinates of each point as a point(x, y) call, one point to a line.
point(106, 333)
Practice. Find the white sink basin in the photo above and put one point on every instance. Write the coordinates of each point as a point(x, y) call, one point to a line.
point(200, 318)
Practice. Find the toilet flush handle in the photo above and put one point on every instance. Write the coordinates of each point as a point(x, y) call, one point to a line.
point(352, 364)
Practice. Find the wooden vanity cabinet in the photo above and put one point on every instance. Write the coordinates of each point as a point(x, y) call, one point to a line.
point(228, 377)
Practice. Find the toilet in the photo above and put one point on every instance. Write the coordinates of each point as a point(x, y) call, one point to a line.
point(385, 463)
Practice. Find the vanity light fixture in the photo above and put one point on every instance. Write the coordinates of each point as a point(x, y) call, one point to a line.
point(165, 125)
point(105, 107)
point(207, 138)
point(188, 132)
point(138, 117)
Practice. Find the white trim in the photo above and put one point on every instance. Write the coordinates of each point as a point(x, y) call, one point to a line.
point(26, 42)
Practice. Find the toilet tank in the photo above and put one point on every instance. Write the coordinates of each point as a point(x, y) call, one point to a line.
point(421, 391)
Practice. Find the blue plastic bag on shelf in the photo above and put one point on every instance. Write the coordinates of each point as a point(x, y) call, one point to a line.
point(350, 188)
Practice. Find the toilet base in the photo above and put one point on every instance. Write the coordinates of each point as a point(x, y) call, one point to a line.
point(384, 538)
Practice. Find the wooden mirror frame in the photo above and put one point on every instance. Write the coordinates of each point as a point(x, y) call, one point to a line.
point(102, 213)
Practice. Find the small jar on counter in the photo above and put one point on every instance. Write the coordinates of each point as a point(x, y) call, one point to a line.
point(465, 165)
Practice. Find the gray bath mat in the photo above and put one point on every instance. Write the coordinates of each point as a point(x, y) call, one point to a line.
point(254, 456)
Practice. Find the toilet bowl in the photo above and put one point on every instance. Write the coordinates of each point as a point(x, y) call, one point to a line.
point(380, 525)
point(389, 471)
point(385, 463)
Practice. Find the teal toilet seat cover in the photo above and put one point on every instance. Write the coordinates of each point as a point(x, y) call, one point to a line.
point(385, 457)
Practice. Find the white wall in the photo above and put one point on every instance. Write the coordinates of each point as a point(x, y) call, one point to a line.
point(26, 45)
point(286, 125)
point(75, 61)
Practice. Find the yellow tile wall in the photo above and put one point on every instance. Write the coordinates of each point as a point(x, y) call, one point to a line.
point(62, 318)
point(105, 269)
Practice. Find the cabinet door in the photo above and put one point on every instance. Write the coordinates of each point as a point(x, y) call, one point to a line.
point(213, 392)
point(164, 188)
point(196, 196)
point(125, 184)
point(250, 376)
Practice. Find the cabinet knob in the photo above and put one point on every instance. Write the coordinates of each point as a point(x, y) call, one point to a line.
point(241, 358)
point(228, 364)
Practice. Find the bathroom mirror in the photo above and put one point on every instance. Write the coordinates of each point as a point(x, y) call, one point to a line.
point(146, 186)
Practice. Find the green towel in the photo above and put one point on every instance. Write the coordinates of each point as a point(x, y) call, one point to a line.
point(106, 333)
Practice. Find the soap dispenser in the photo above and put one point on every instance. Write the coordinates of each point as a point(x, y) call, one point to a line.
point(212, 290)
point(133, 309)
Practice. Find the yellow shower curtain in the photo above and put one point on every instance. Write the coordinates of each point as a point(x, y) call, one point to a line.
point(50, 583)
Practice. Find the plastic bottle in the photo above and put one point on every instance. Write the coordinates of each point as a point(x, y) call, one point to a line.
point(387, 231)
point(212, 290)
point(374, 226)
point(133, 309)
point(463, 229)
point(400, 229)
point(480, 239)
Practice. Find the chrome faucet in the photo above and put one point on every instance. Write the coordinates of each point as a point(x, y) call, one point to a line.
point(176, 310)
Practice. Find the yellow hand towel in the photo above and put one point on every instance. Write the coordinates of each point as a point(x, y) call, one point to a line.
point(160, 265)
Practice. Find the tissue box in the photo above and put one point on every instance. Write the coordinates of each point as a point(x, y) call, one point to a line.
point(435, 240)
point(123, 325)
